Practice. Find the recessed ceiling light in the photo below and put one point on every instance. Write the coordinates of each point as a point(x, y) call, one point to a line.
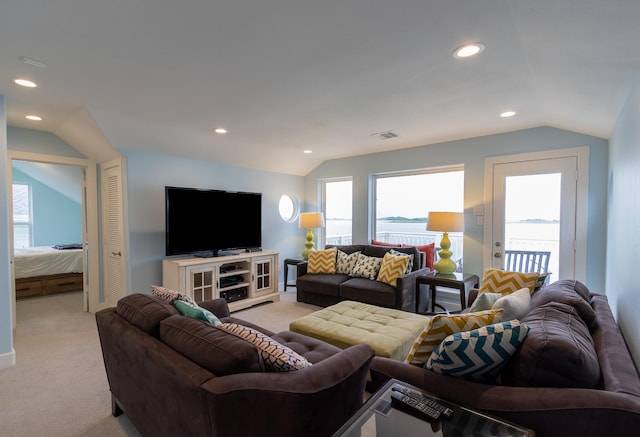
point(33, 117)
point(24, 82)
point(507, 114)
point(308, 152)
point(220, 130)
point(467, 50)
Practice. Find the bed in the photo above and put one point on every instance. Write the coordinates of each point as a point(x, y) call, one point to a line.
point(41, 271)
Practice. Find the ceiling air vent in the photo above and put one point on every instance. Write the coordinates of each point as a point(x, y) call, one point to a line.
point(386, 135)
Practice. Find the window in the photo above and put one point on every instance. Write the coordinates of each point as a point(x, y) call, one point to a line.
point(403, 202)
point(289, 208)
point(337, 208)
point(22, 217)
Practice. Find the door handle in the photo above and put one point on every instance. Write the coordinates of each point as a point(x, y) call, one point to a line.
point(497, 255)
point(118, 253)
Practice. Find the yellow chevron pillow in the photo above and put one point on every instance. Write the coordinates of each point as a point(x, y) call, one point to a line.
point(322, 261)
point(443, 325)
point(393, 266)
point(503, 282)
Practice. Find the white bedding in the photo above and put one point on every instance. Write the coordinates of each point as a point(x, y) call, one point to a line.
point(38, 261)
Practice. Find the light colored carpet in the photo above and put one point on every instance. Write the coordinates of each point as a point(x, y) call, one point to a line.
point(58, 386)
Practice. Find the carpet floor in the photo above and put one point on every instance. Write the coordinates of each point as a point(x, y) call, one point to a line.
point(58, 387)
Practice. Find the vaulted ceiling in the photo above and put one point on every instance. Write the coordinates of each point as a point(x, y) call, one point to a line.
point(284, 76)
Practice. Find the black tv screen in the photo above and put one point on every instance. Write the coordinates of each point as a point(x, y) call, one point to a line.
point(204, 221)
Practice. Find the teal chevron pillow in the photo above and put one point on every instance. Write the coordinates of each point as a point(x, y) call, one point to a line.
point(479, 354)
point(196, 312)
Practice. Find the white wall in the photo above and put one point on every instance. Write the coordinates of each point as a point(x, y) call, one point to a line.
point(471, 153)
point(148, 174)
point(623, 230)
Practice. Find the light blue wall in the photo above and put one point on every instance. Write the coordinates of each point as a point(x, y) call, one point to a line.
point(56, 218)
point(471, 153)
point(148, 174)
point(34, 141)
point(623, 244)
point(7, 355)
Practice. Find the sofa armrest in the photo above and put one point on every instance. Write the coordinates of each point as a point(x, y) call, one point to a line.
point(406, 290)
point(317, 400)
point(219, 307)
point(301, 268)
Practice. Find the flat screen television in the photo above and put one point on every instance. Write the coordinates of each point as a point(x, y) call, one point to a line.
point(204, 222)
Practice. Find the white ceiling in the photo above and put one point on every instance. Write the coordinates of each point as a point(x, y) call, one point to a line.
point(288, 75)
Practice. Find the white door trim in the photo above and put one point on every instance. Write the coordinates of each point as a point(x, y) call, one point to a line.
point(582, 193)
point(91, 277)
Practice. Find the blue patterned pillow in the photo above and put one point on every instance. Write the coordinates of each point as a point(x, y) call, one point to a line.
point(277, 357)
point(479, 354)
point(196, 312)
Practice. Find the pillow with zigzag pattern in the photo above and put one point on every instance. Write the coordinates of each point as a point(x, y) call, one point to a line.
point(393, 266)
point(506, 282)
point(442, 325)
point(479, 354)
point(322, 261)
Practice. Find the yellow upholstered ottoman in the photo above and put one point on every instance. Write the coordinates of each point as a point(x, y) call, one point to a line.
point(389, 331)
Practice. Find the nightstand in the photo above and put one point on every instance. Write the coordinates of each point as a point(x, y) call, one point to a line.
point(462, 282)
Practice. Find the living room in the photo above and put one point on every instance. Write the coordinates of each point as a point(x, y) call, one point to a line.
point(614, 196)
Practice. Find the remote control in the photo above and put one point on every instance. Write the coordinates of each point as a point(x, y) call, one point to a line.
point(444, 410)
point(414, 407)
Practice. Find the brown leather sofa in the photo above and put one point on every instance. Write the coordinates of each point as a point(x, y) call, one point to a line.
point(325, 289)
point(173, 375)
point(572, 376)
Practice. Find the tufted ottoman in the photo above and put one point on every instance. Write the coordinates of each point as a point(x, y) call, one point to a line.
point(389, 332)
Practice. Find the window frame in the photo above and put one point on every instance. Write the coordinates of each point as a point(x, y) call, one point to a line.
point(18, 222)
point(323, 205)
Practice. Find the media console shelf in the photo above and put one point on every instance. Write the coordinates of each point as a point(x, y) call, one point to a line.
point(244, 279)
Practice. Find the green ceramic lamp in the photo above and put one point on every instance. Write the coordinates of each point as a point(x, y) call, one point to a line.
point(308, 221)
point(445, 222)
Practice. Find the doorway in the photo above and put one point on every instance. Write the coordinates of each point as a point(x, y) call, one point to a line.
point(90, 233)
point(537, 203)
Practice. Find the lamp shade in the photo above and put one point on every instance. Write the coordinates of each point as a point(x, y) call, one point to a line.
point(445, 222)
point(311, 220)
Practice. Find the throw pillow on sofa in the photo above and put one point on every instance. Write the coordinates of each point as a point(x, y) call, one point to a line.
point(277, 357)
point(478, 354)
point(484, 301)
point(196, 312)
point(409, 265)
point(367, 267)
point(169, 295)
point(429, 254)
point(392, 267)
point(322, 261)
point(382, 243)
point(346, 262)
point(515, 305)
point(443, 325)
point(505, 282)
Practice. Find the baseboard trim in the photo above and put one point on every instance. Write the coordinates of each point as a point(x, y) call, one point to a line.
point(8, 360)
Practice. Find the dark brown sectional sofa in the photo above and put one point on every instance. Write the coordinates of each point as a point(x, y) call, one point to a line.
point(572, 376)
point(177, 376)
point(325, 289)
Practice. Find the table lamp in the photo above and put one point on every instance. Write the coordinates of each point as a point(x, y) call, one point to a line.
point(445, 222)
point(310, 220)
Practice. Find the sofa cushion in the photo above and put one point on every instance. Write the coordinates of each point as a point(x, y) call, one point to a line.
point(367, 267)
point(144, 311)
point(196, 312)
point(366, 290)
point(345, 262)
point(515, 305)
point(277, 357)
point(558, 352)
point(392, 267)
point(501, 281)
point(379, 251)
point(325, 284)
point(442, 325)
point(312, 349)
point(349, 248)
point(478, 354)
point(218, 351)
point(570, 292)
point(322, 261)
point(169, 295)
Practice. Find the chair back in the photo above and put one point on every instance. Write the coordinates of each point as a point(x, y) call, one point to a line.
point(526, 261)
